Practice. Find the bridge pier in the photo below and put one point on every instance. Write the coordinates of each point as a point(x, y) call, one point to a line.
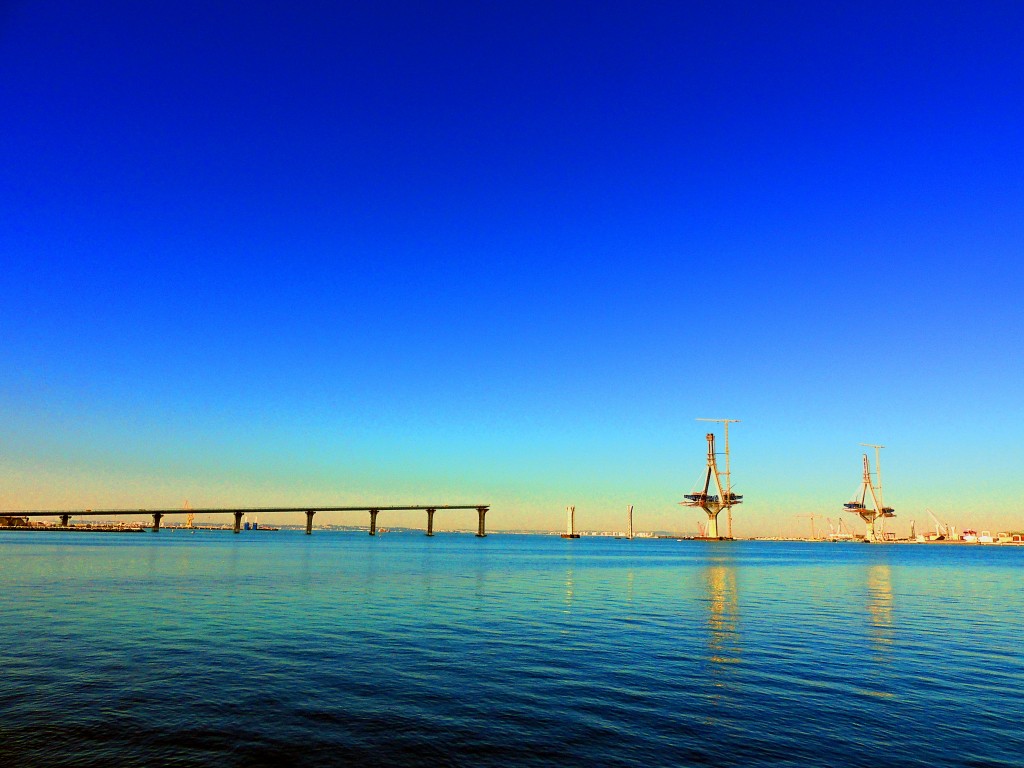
point(238, 521)
point(430, 521)
point(156, 521)
point(481, 531)
point(309, 521)
point(64, 520)
point(373, 521)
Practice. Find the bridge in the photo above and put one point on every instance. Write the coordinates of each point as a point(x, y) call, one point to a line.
point(239, 512)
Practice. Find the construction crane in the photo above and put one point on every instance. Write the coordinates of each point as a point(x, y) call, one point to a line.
point(877, 512)
point(725, 499)
point(190, 519)
point(838, 531)
point(943, 530)
point(813, 517)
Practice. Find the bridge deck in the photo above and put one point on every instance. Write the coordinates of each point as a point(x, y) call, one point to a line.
point(226, 510)
point(65, 515)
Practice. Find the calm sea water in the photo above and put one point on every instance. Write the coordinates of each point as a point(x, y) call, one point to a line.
point(273, 648)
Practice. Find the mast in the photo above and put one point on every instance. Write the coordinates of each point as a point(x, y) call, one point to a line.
point(728, 483)
point(878, 470)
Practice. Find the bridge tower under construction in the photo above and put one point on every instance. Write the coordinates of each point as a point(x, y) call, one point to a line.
point(570, 523)
point(873, 516)
point(723, 497)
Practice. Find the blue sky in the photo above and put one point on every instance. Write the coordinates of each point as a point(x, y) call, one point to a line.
point(410, 252)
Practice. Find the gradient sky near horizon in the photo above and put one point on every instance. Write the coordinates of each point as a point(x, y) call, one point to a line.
point(508, 252)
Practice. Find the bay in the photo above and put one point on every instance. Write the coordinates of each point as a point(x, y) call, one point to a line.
point(267, 648)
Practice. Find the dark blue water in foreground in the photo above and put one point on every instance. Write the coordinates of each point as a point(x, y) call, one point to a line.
point(270, 648)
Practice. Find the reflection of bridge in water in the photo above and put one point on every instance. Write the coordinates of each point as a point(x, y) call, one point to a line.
point(239, 512)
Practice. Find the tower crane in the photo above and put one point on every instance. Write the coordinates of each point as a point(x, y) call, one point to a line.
point(813, 517)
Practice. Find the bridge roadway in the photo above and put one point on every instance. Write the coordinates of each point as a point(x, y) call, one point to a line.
point(66, 515)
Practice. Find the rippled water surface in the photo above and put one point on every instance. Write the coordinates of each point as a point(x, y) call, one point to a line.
point(268, 648)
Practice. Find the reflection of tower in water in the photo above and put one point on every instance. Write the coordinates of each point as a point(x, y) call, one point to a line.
point(723, 614)
point(880, 601)
point(723, 638)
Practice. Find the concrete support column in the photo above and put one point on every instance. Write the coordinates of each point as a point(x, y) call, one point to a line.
point(430, 521)
point(712, 530)
point(373, 521)
point(156, 522)
point(481, 531)
point(309, 521)
point(64, 520)
point(238, 521)
point(869, 533)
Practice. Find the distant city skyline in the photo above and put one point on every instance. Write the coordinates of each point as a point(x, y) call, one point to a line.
point(394, 254)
